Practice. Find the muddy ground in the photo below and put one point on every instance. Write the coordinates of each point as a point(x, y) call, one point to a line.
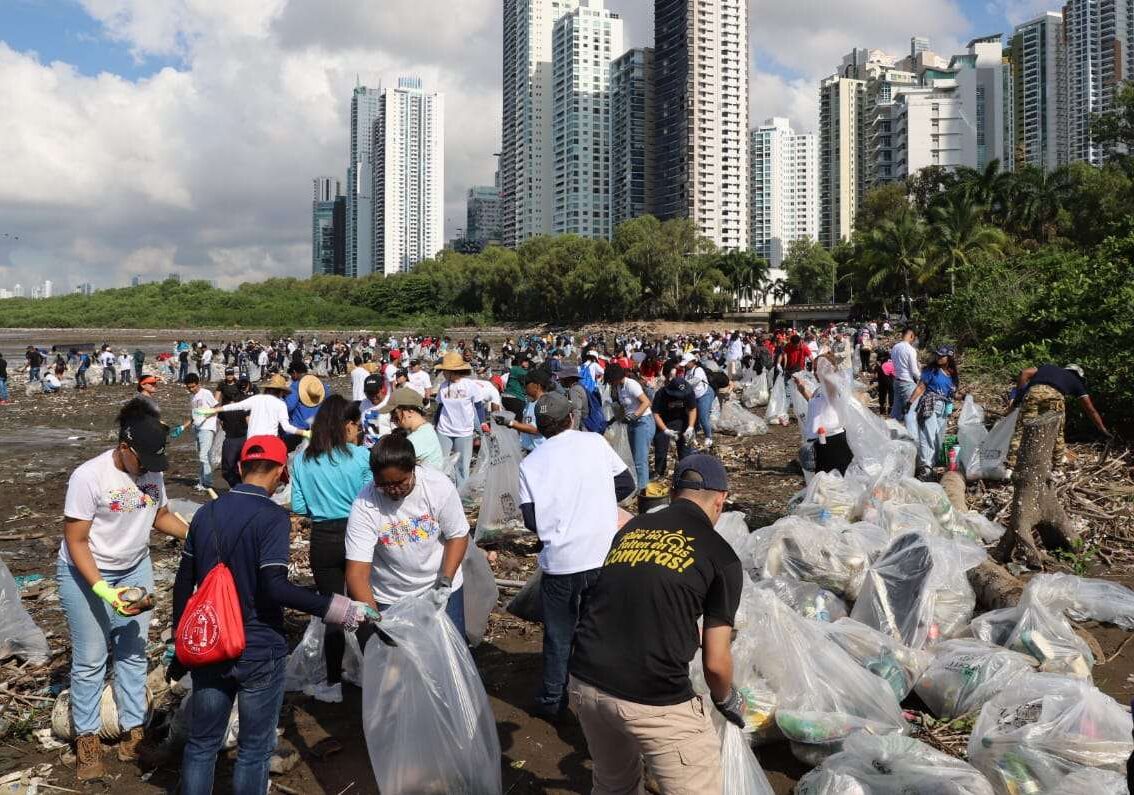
point(42, 438)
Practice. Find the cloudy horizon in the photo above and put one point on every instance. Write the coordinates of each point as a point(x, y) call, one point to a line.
point(144, 137)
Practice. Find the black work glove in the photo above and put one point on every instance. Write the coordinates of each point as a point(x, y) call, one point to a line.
point(499, 420)
point(732, 707)
point(175, 670)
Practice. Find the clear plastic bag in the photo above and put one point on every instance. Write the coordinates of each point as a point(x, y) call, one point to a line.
point(841, 497)
point(307, 664)
point(988, 463)
point(217, 449)
point(971, 433)
point(777, 411)
point(965, 673)
point(805, 598)
point(500, 516)
point(618, 436)
point(900, 666)
point(1094, 781)
point(1042, 728)
point(756, 393)
point(480, 591)
point(1084, 599)
point(917, 590)
point(19, 635)
point(187, 509)
point(828, 555)
point(738, 421)
point(892, 765)
point(429, 728)
point(733, 528)
point(1034, 629)
point(824, 695)
point(741, 773)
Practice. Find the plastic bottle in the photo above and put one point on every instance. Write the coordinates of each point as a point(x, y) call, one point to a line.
point(1017, 777)
point(952, 459)
point(819, 729)
point(822, 435)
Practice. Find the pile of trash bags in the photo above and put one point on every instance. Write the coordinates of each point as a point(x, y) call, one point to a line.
point(859, 602)
point(737, 420)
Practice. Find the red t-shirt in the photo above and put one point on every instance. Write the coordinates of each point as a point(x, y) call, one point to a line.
point(796, 356)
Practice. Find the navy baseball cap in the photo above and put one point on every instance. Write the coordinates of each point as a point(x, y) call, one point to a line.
point(700, 471)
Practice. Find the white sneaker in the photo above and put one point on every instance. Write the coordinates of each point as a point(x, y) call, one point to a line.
point(708, 444)
point(199, 487)
point(325, 692)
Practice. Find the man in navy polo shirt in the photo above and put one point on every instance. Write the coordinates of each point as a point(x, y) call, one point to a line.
point(251, 534)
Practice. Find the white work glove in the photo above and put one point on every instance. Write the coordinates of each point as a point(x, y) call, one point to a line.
point(671, 433)
point(690, 432)
point(439, 594)
point(348, 614)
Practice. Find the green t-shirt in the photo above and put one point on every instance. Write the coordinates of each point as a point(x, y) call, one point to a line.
point(427, 447)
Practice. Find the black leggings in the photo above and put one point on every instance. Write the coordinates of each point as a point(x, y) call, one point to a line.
point(328, 564)
point(833, 456)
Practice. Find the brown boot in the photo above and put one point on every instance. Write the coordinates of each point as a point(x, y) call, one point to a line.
point(129, 748)
point(88, 755)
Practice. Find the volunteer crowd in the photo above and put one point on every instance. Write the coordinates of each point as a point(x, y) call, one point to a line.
point(379, 472)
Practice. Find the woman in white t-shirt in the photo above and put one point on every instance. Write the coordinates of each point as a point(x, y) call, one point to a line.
point(639, 418)
point(407, 533)
point(460, 411)
point(113, 502)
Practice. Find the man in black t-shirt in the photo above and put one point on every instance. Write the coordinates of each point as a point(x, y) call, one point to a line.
point(629, 669)
point(234, 423)
point(675, 412)
point(1043, 389)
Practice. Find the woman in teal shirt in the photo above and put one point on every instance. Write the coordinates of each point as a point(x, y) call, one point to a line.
point(325, 479)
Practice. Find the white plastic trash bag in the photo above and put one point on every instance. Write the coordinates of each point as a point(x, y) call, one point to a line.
point(19, 635)
point(429, 728)
point(1094, 781)
point(824, 695)
point(988, 463)
point(777, 411)
point(480, 592)
point(1085, 599)
point(1037, 630)
point(900, 666)
point(971, 433)
point(499, 516)
point(741, 773)
point(307, 664)
point(737, 420)
point(965, 673)
point(217, 449)
point(805, 598)
point(892, 765)
point(756, 393)
point(1042, 728)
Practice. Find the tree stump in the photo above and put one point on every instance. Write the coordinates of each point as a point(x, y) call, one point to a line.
point(994, 585)
point(1035, 505)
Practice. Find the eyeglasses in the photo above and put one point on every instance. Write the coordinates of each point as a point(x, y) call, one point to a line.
point(397, 488)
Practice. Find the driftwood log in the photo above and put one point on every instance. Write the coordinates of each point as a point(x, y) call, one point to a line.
point(1035, 503)
point(994, 585)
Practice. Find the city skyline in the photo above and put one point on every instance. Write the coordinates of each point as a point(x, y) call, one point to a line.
point(96, 206)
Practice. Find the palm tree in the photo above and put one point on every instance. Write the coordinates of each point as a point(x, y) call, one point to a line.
point(959, 235)
point(989, 188)
point(895, 250)
point(1037, 200)
point(779, 290)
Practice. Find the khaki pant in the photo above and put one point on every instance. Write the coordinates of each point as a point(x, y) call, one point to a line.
point(1039, 400)
point(678, 743)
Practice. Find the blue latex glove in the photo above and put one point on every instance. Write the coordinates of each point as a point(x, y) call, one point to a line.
point(176, 431)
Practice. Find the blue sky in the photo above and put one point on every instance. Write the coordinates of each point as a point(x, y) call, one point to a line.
point(156, 136)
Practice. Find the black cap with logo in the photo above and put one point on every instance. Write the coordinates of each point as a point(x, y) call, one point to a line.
point(146, 436)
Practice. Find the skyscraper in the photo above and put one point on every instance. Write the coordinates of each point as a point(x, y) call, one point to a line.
point(842, 160)
point(1039, 79)
point(584, 42)
point(1099, 35)
point(527, 156)
point(701, 116)
point(408, 158)
point(482, 211)
point(979, 75)
point(632, 130)
point(324, 231)
point(86, 289)
point(48, 289)
point(364, 106)
point(784, 194)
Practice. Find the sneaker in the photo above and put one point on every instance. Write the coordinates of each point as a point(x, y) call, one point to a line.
point(708, 444)
point(199, 487)
point(325, 692)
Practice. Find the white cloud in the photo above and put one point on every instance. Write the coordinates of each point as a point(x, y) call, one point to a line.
point(204, 168)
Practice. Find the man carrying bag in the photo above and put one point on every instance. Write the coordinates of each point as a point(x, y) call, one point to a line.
point(236, 557)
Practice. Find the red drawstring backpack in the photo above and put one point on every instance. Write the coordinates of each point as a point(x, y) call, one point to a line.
point(211, 629)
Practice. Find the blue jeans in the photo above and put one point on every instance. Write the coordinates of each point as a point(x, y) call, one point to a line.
point(33, 374)
point(705, 412)
point(903, 391)
point(182, 371)
point(929, 436)
point(260, 685)
point(564, 597)
point(463, 445)
point(93, 624)
point(204, 447)
point(641, 435)
point(4, 389)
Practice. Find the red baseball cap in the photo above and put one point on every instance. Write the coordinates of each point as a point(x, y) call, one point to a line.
point(264, 448)
point(395, 355)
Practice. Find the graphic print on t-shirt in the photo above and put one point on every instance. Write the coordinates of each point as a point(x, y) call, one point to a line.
point(128, 500)
point(414, 530)
point(670, 549)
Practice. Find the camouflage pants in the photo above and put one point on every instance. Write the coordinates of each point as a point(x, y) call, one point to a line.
point(1039, 400)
